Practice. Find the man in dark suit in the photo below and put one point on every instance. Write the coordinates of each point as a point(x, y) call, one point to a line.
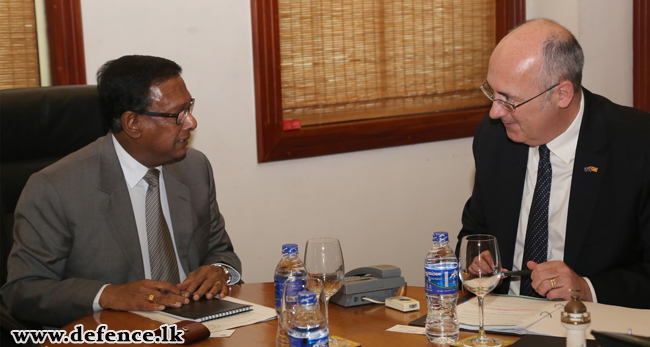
point(563, 173)
point(129, 222)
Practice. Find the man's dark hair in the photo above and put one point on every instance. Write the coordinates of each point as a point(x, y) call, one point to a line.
point(124, 85)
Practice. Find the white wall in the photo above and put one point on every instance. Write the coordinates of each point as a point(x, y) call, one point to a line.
point(382, 204)
point(604, 30)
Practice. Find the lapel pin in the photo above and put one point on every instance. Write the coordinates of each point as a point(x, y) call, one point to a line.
point(591, 169)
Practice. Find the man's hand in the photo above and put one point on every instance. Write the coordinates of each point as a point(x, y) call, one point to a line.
point(208, 279)
point(565, 279)
point(482, 264)
point(134, 296)
point(502, 277)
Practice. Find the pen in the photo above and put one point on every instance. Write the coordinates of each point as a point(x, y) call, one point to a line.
point(517, 273)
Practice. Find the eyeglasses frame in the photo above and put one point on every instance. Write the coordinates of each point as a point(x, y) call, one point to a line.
point(179, 119)
point(506, 105)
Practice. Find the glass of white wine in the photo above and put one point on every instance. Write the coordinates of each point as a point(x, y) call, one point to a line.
point(324, 261)
point(480, 272)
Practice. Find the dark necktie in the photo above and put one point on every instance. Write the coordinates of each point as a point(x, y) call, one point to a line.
point(536, 245)
point(161, 249)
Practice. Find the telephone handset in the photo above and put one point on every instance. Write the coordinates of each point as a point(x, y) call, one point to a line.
point(374, 282)
point(377, 271)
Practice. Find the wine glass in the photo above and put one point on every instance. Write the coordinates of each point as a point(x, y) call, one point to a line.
point(324, 261)
point(480, 271)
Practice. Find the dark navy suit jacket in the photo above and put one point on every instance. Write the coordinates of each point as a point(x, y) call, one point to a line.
point(608, 227)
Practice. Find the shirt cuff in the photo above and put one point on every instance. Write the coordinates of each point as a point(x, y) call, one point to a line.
point(593, 292)
point(234, 274)
point(96, 306)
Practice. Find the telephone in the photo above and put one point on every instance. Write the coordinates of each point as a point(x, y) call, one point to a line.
point(374, 282)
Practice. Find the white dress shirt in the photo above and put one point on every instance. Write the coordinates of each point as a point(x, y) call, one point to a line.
point(134, 173)
point(563, 153)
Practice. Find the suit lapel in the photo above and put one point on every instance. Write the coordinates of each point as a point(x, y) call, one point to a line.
point(118, 209)
point(585, 185)
point(178, 198)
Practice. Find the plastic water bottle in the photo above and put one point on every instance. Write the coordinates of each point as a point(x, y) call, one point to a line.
point(308, 327)
point(441, 284)
point(289, 266)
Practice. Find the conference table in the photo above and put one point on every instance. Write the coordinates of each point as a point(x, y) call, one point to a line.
point(365, 324)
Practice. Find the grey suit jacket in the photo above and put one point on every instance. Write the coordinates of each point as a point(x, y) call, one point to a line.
point(75, 231)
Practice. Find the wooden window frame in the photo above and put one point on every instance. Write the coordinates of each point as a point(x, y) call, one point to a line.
point(65, 41)
point(275, 144)
point(68, 67)
point(641, 42)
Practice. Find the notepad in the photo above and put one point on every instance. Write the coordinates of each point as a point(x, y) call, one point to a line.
point(205, 310)
point(218, 327)
point(507, 314)
point(524, 315)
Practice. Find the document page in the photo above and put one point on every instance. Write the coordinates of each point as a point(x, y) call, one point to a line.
point(506, 313)
point(523, 315)
point(607, 318)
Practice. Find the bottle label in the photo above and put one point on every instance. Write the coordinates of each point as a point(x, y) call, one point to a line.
point(441, 279)
point(304, 342)
point(292, 292)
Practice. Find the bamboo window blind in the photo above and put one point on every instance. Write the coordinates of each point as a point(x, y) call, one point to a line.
point(18, 51)
point(348, 60)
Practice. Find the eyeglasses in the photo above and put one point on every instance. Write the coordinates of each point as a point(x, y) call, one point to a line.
point(508, 106)
point(180, 116)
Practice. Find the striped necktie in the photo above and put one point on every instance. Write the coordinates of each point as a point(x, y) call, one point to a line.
point(536, 246)
point(162, 257)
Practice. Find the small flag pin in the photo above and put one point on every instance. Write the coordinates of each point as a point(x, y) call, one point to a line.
point(591, 169)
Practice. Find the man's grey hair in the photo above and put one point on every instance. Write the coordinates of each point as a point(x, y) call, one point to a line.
point(562, 59)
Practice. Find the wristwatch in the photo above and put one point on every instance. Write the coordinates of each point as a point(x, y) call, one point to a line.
point(225, 269)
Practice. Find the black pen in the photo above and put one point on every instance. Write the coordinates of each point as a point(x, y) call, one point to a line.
point(517, 273)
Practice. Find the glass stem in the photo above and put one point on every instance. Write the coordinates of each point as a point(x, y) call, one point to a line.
point(332, 342)
point(327, 314)
point(481, 329)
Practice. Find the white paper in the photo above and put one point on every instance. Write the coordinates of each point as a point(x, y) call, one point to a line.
point(506, 313)
point(606, 318)
point(222, 333)
point(407, 329)
point(259, 313)
point(523, 315)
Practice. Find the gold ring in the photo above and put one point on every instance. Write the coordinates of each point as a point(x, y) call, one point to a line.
point(151, 298)
point(553, 283)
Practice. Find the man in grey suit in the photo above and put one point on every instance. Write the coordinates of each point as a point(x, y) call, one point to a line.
point(95, 230)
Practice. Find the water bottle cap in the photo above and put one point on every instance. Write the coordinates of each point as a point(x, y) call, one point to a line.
point(440, 236)
point(306, 297)
point(289, 248)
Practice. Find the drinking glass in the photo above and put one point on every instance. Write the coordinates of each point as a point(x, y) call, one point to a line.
point(480, 271)
point(324, 261)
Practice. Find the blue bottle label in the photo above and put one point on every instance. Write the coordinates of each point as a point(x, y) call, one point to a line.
point(292, 292)
point(279, 287)
point(305, 342)
point(441, 279)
